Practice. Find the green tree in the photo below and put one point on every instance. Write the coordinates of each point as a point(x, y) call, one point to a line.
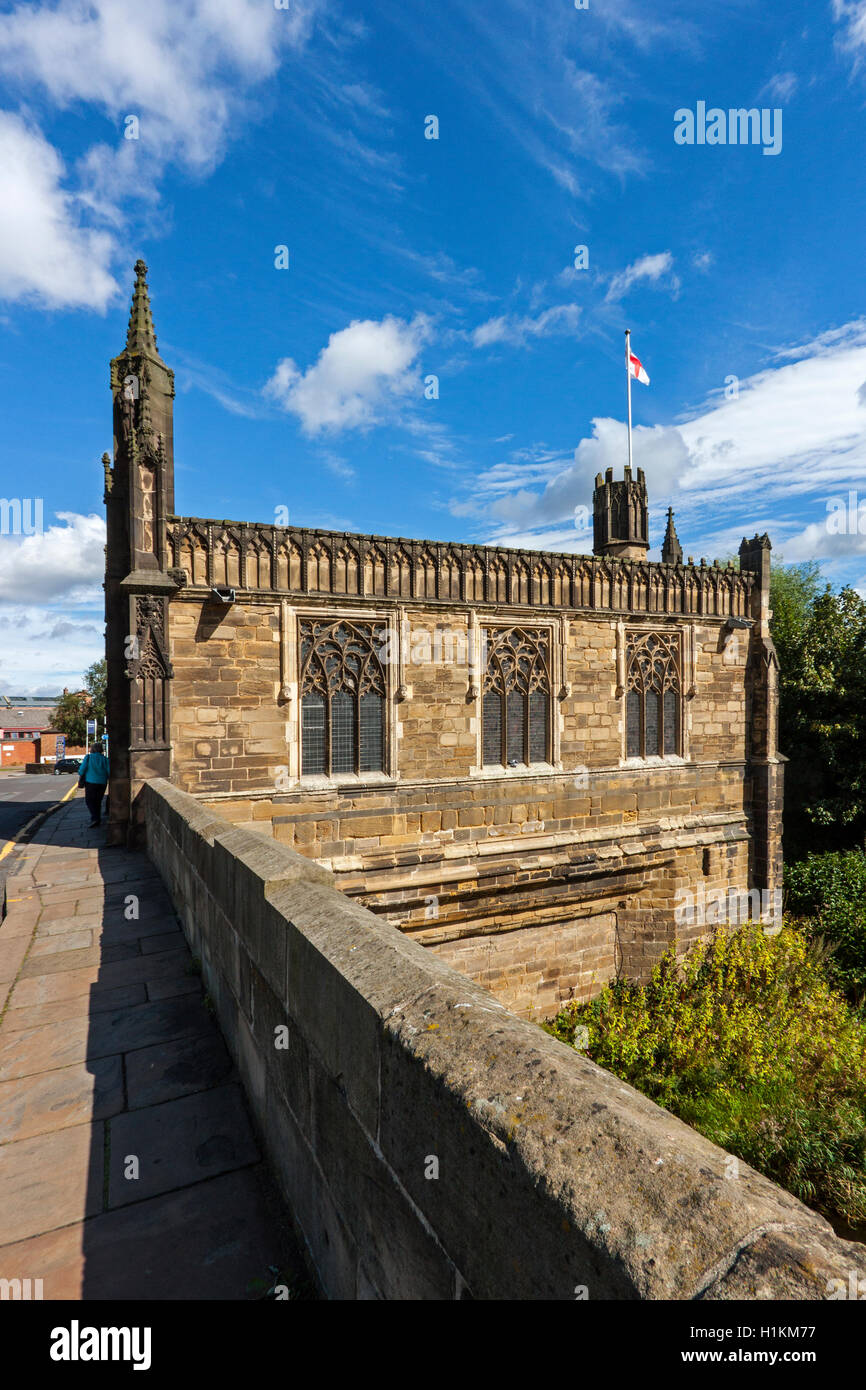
point(821, 641)
point(793, 590)
point(96, 683)
point(73, 709)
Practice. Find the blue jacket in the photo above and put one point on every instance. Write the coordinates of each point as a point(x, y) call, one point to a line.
point(94, 768)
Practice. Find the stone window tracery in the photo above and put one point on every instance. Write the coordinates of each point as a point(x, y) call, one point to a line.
point(343, 692)
point(653, 694)
point(516, 697)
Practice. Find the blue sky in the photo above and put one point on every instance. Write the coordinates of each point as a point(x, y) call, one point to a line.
point(409, 257)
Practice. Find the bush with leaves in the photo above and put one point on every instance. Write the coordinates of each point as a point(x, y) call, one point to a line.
point(747, 1041)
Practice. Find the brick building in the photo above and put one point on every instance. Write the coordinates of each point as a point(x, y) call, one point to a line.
point(524, 760)
point(26, 733)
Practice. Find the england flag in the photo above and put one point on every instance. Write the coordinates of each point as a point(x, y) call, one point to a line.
point(637, 370)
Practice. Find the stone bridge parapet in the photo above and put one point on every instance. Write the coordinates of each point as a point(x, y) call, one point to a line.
point(431, 1145)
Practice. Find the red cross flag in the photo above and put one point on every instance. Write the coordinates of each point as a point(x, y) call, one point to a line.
point(637, 369)
point(633, 368)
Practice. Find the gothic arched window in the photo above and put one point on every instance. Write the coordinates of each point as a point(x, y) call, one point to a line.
point(653, 694)
point(343, 691)
point(516, 697)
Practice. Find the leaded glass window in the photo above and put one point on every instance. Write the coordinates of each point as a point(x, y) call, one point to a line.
point(343, 692)
point(515, 708)
point(653, 694)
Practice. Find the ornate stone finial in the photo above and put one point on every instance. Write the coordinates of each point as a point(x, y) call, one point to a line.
point(140, 335)
point(672, 551)
point(106, 468)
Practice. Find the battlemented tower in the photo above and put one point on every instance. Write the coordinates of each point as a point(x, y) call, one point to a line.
point(620, 516)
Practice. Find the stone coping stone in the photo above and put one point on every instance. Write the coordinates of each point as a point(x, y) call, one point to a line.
point(560, 1174)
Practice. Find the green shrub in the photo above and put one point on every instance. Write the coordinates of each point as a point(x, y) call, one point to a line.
point(747, 1042)
point(827, 892)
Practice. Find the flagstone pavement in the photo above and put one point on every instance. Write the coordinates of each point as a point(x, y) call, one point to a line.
point(111, 1066)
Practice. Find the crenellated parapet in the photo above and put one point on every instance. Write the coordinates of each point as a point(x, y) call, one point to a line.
point(260, 558)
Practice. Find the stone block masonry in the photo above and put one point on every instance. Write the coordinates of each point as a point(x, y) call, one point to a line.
point(430, 1144)
point(549, 891)
point(107, 1050)
point(522, 759)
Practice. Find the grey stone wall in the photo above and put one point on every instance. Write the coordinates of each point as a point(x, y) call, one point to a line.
point(555, 1179)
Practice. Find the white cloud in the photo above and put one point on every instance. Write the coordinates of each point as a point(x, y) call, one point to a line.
point(364, 369)
point(62, 562)
point(852, 15)
point(650, 268)
point(781, 86)
point(588, 124)
point(45, 649)
point(793, 429)
point(51, 601)
point(180, 68)
point(516, 329)
point(442, 268)
point(563, 540)
point(338, 466)
point(194, 374)
point(563, 117)
point(817, 539)
point(183, 71)
point(46, 255)
point(659, 450)
point(769, 459)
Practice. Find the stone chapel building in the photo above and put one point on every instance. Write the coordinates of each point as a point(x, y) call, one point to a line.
point(523, 760)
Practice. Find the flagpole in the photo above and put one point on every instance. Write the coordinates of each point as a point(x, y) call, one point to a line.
point(628, 381)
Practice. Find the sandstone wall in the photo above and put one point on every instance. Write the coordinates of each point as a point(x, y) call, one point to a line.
point(540, 886)
point(230, 725)
point(471, 869)
point(553, 1179)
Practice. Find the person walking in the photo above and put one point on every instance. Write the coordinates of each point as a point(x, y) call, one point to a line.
point(93, 777)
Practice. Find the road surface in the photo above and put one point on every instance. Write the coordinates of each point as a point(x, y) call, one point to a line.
point(22, 796)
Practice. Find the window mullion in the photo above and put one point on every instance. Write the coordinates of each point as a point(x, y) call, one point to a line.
point(356, 713)
point(503, 705)
point(328, 749)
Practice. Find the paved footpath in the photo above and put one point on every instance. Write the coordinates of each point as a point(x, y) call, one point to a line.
point(110, 1065)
